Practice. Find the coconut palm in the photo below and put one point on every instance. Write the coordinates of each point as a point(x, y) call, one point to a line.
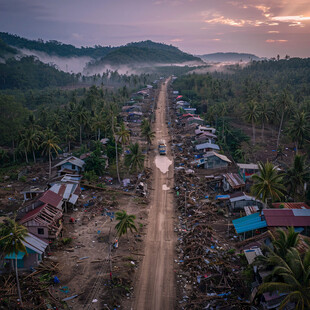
point(12, 236)
point(126, 222)
point(146, 132)
point(49, 145)
point(291, 275)
point(70, 136)
point(283, 105)
point(30, 140)
point(299, 129)
point(81, 118)
point(263, 115)
point(251, 115)
point(123, 135)
point(297, 176)
point(135, 159)
point(284, 240)
point(268, 183)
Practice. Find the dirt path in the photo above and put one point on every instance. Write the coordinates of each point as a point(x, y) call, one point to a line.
point(155, 286)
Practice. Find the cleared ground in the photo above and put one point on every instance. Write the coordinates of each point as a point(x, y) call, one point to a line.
point(155, 284)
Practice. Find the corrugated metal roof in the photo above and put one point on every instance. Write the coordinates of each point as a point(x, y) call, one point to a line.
point(248, 166)
point(286, 217)
point(34, 243)
point(73, 160)
point(51, 198)
point(291, 205)
point(207, 146)
point(249, 223)
point(234, 180)
point(242, 197)
point(68, 190)
point(73, 199)
point(301, 212)
point(31, 214)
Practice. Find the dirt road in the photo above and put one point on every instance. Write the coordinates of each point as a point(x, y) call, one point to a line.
point(155, 286)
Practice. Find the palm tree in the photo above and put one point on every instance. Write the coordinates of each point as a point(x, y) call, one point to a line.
point(297, 176)
point(126, 222)
point(81, 117)
point(285, 240)
point(70, 136)
point(30, 140)
point(268, 183)
point(263, 115)
point(146, 132)
point(284, 104)
point(251, 115)
point(291, 275)
point(135, 159)
point(123, 135)
point(49, 145)
point(282, 241)
point(299, 129)
point(12, 236)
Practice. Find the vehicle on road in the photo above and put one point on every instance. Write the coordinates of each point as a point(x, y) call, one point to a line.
point(162, 148)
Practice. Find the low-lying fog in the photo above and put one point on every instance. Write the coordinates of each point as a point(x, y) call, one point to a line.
point(66, 64)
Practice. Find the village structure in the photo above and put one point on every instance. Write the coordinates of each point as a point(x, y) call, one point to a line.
point(215, 219)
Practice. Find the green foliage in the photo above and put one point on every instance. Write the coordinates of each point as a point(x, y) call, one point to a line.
point(91, 176)
point(145, 52)
point(268, 183)
point(135, 159)
point(11, 117)
point(53, 47)
point(28, 72)
point(66, 241)
point(95, 163)
point(297, 176)
point(125, 222)
point(6, 50)
point(23, 179)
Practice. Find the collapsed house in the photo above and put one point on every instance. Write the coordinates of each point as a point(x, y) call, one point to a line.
point(43, 216)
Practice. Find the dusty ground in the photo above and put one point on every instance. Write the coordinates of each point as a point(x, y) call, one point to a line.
point(155, 284)
point(85, 267)
point(265, 149)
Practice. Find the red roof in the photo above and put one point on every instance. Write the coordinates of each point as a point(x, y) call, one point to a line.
point(51, 198)
point(291, 205)
point(31, 214)
point(285, 217)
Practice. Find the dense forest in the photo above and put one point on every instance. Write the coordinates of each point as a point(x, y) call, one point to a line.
point(146, 52)
point(264, 93)
point(29, 72)
point(143, 52)
point(226, 57)
point(54, 47)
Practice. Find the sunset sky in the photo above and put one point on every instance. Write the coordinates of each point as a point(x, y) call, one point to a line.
point(265, 28)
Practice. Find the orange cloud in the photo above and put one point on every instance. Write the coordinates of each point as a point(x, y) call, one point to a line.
point(276, 41)
point(293, 20)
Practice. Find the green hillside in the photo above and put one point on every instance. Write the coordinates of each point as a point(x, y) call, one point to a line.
point(145, 52)
point(54, 47)
point(226, 57)
point(6, 50)
point(28, 72)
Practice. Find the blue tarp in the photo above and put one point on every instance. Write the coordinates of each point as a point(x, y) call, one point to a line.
point(248, 223)
point(222, 197)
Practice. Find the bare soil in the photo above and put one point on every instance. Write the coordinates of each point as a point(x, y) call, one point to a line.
point(155, 283)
